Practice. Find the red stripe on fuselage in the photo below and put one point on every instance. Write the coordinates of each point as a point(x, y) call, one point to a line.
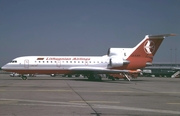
point(41, 71)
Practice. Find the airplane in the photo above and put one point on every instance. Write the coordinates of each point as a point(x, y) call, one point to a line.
point(116, 61)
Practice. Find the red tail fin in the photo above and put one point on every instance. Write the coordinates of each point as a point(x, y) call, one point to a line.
point(143, 53)
point(149, 45)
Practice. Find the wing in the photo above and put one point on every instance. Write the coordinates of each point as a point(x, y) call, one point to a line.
point(96, 70)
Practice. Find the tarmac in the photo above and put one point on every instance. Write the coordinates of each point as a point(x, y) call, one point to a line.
point(60, 96)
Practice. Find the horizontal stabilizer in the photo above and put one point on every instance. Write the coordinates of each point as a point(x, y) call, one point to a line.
point(161, 36)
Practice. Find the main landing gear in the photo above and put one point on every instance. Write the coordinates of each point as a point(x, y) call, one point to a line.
point(93, 77)
point(24, 77)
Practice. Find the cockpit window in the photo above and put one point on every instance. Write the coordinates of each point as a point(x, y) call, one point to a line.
point(13, 61)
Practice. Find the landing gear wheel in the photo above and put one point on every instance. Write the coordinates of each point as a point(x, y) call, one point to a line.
point(113, 79)
point(24, 78)
point(91, 78)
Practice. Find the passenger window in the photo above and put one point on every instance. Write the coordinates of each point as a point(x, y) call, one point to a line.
point(66, 61)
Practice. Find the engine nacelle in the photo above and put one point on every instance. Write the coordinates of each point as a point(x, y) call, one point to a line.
point(114, 51)
point(116, 62)
point(116, 57)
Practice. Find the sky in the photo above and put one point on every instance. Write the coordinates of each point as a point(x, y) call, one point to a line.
point(86, 27)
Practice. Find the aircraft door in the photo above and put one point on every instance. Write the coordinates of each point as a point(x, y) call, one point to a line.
point(26, 63)
point(58, 63)
point(86, 62)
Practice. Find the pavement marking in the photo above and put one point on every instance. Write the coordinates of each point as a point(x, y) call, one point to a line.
point(99, 91)
point(60, 90)
point(15, 85)
point(114, 102)
point(39, 101)
point(53, 105)
point(136, 109)
point(40, 90)
point(171, 92)
point(116, 91)
point(84, 105)
point(8, 101)
point(174, 103)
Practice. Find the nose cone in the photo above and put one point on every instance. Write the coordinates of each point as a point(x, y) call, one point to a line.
point(4, 67)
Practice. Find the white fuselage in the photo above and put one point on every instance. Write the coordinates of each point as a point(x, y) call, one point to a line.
point(55, 64)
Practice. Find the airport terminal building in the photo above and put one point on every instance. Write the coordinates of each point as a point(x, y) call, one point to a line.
point(162, 70)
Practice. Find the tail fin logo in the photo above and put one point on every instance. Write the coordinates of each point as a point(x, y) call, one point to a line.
point(149, 46)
